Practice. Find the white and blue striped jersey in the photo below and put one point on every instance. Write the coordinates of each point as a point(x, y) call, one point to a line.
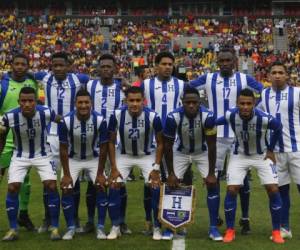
point(135, 133)
point(163, 96)
point(60, 95)
point(83, 137)
point(222, 93)
point(285, 106)
point(190, 132)
point(30, 133)
point(106, 98)
point(252, 136)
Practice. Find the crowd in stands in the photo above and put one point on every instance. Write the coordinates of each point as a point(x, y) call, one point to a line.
point(136, 43)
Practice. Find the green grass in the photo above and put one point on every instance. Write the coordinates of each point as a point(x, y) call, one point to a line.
point(197, 233)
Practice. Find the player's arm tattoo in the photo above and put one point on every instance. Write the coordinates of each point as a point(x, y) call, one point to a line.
point(159, 148)
point(211, 144)
point(102, 158)
point(168, 153)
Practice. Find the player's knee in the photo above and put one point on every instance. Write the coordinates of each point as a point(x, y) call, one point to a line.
point(14, 188)
point(50, 185)
point(272, 188)
point(233, 189)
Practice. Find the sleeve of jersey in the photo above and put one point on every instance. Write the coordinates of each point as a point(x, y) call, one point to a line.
point(52, 115)
point(39, 75)
point(5, 121)
point(170, 127)
point(83, 78)
point(103, 132)
point(254, 85)
point(276, 126)
point(157, 124)
point(221, 121)
point(209, 124)
point(112, 125)
point(63, 132)
point(199, 83)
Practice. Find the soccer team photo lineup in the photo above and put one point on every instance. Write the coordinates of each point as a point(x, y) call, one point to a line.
point(150, 124)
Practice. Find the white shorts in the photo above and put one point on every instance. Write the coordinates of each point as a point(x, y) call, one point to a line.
point(126, 162)
point(182, 161)
point(224, 146)
point(239, 165)
point(19, 167)
point(53, 140)
point(288, 165)
point(76, 166)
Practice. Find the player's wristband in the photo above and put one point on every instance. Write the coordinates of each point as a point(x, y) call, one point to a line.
point(156, 167)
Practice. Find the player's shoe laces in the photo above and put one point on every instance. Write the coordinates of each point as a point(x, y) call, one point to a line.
point(167, 235)
point(148, 228)
point(286, 233)
point(45, 227)
point(25, 221)
point(276, 237)
point(214, 234)
point(11, 235)
point(69, 234)
point(55, 234)
point(124, 229)
point(229, 235)
point(114, 233)
point(101, 235)
point(245, 224)
point(156, 234)
point(89, 227)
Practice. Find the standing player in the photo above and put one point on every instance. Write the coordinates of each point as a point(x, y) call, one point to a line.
point(11, 84)
point(283, 102)
point(222, 89)
point(29, 125)
point(60, 90)
point(135, 124)
point(107, 96)
point(251, 126)
point(162, 93)
point(193, 125)
point(80, 133)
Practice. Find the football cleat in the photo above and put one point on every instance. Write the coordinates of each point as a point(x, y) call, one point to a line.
point(101, 235)
point(276, 237)
point(11, 235)
point(229, 235)
point(214, 234)
point(156, 234)
point(69, 234)
point(114, 233)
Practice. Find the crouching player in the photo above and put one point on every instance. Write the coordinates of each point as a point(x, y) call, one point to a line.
point(251, 127)
point(80, 133)
point(135, 125)
point(29, 125)
point(193, 125)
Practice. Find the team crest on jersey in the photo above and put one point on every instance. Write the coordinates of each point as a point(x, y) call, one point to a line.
point(177, 206)
point(232, 82)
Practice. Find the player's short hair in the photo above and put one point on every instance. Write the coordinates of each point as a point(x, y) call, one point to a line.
point(107, 57)
point(190, 90)
point(247, 92)
point(162, 55)
point(141, 69)
point(227, 49)
point(20, 55)
point(278, 63)
point(62, 55)
point(27, 90)
point(134, 90)
point(82, 92)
